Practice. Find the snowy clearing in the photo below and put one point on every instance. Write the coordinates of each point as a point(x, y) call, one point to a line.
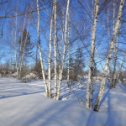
point(24, 104)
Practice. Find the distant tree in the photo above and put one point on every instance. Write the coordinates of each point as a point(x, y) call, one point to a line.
point(26, 48)
point(76, 65)
point(37, 69)
point(79, 62)
point(72, 74)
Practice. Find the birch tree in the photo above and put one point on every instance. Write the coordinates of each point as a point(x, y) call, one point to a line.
point(109, 57)
point(68, 37)
point(92, 53)
point(55, 45)
point(65, 48)
point(114, 75)
point(49, 56)
point(40, 49)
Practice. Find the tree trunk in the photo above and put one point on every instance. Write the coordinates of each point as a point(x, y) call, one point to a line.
point(106, 68)
point(55, 45)
point(68, 68)
point(65, 48)
point(40, 49)
point(43, 72)
point(114, 75)
point(92, 63)
point(49, 57)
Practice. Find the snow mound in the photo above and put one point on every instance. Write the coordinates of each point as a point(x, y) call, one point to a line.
point(29, 77)
point(15, 74)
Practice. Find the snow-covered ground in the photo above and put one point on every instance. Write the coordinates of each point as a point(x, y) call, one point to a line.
point(24, 104)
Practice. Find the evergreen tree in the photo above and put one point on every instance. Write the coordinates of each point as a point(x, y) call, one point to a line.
point(26, 48)
point(26, 45)
point(76, 65)
point(79, 63)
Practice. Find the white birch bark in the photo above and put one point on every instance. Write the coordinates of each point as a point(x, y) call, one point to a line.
point(49, 57)
point(65, 49)
point(55, 45)
point(40, 49)
point(68, 68)
point(114, 76)
point(106, 68)
point(92, 64)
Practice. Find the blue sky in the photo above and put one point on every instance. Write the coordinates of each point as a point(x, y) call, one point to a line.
point(80, 18)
